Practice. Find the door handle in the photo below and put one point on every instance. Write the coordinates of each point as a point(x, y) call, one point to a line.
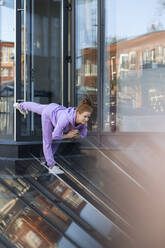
point(24, 52)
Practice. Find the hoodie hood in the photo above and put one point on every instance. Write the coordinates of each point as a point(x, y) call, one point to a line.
point(71, 111)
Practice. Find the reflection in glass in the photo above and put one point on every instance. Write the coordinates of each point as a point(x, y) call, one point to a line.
point(134, 89)
point(51, 214)
point(86, 54)
point(26, 226)
point(30, 231)
point(41, 52)
point(74, 200)
point(6, 68)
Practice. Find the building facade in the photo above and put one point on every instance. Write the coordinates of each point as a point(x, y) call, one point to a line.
point(51, 52)
point(114, 52)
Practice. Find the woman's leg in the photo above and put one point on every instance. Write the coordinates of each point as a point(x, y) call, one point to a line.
point(32, 106)
point(47, 129)
point(55, 148)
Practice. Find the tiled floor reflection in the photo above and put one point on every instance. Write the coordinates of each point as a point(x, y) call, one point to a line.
point(39, 210)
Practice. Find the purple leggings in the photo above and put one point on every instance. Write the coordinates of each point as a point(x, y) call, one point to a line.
point(47, 128)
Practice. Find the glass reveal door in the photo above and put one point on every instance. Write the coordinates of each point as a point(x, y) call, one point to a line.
point(41, 60)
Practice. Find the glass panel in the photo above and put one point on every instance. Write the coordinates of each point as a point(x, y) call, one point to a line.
point(22, 225)
point(6, 67)
point(86, 54)
point(134, 66)
point(39, 208)
point(43, 58)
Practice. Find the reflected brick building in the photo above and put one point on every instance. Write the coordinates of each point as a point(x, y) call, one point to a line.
point(139, 53)
point(28, 229)
point(6, 62)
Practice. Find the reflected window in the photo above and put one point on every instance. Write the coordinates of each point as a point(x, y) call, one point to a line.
point(134, 58)
point(159, 55)
point(32, 239)
point(124, 64)
point(147, 56)
point(65, 193)
point(5, 54)
point(4, 72)
point(74, 199)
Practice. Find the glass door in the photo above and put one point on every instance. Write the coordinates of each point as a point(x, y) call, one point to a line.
point(41, 61)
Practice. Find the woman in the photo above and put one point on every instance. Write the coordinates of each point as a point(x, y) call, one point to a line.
point(58, 122)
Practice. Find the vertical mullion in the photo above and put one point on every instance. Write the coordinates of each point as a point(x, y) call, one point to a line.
point(73, 49)
point(17, 78)
point(100, 70)
point(102, 51)
point(64, 27)
point(101, 47)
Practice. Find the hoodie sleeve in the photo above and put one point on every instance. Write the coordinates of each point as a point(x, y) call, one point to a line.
point(62, 122)
point(83, 131)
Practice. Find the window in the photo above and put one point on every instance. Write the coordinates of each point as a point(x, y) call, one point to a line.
point(124, 62)
point(11, 54)
point(147, 57)
point(4, 72)
point(132, 60)
point(33, 239)
point(87, 68)
point(159, 55)
point(5, 55)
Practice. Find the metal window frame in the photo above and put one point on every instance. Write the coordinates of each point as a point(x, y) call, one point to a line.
point(101, 26)
point(73, 48)
point(17, 78)
point(64, 67)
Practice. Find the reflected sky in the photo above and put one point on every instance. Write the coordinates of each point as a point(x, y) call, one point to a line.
point(131, 18)
point(7, 14)
point(123, 17)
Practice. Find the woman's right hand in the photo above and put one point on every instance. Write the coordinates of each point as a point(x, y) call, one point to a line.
point(71, 134)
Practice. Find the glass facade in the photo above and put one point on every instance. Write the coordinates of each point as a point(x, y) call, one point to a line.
point(117, 57)
point(41, 58)
point(131, 64)
point(49, 213)
point(86, 59)
point(134, 61)
point(7, 44)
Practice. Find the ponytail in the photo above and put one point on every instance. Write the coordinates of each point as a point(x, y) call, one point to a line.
point(85, 105)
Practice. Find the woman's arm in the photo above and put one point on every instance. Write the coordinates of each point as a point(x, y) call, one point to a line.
point(83, 131)
point(62, 122)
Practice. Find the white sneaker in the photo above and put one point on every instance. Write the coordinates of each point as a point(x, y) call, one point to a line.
point(16, 106)
point(55, 170)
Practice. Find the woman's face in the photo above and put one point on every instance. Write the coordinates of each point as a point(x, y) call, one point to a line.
point(83, 118)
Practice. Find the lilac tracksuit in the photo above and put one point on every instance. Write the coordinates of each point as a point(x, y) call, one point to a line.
point(56, 120)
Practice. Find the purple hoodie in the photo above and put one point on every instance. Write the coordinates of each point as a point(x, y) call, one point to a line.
point(56, 121)
point(63, 120)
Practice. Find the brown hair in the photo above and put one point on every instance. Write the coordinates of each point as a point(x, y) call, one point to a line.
point(85, 106)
